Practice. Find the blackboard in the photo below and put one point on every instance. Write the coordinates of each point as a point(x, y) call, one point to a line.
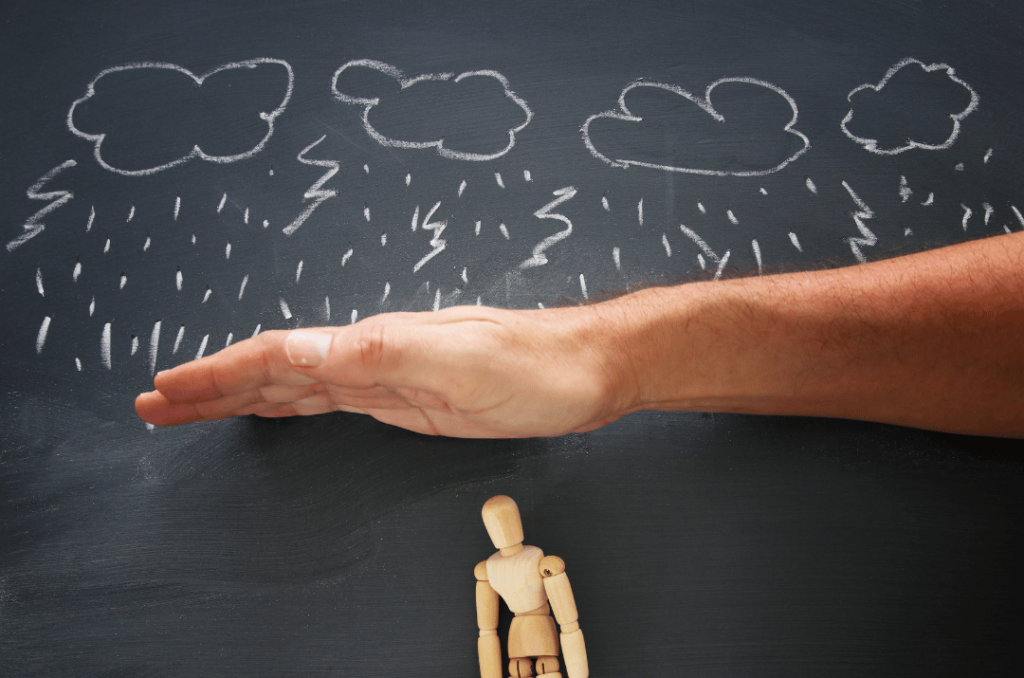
point(178, 176)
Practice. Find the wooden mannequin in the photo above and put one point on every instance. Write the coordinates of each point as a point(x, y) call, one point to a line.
point(532, 585)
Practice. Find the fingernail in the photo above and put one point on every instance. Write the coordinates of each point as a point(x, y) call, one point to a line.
point(307, 349)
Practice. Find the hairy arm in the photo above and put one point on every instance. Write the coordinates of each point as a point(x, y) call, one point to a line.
point(928, 340)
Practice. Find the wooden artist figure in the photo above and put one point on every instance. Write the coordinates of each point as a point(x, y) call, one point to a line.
point(532, 585)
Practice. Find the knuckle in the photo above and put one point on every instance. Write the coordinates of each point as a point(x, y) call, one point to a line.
point(374, 345)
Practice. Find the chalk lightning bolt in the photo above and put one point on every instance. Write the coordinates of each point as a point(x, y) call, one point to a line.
point(316, 193)
point(33, 226)
point(539, 258)
point(867, 239)
point(436, 242)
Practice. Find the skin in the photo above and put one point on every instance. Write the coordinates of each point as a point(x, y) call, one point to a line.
point(929, 340)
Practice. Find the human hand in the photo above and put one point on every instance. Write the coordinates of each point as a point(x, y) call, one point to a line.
point(470, 372)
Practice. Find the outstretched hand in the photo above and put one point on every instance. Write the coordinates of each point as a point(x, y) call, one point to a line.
point(464, 372)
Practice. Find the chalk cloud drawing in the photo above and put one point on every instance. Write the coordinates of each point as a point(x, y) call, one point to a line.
point(941, 73)
point(624, 114)
point(404, 82)
point(268, 117)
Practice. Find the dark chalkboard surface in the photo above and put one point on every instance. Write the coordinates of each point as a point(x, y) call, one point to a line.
point(179, 176)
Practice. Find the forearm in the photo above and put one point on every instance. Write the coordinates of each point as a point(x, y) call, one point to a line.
point(928, 340)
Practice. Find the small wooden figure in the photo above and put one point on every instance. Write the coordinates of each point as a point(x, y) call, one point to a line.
point(532, 585)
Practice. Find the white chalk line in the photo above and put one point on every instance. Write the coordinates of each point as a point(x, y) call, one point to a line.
point(930, 200)
point(863, 213)
point(1016, 213)
point(465, 277)
point(504, 230)
point(241, 288)
point(39, 282)
point(757, 255)
point(872, 144)
point(354, 317)
point(179, 279)
point(809, 183)
point(145, 245)
point(77, 272)
point(196, 152)
point(259, 326)
point(131, 215)
point(616, 257)
point(383, 239)
point(408, 179)
point(959, 167)
point(437, 299)
point(604, 203)
point(539, 257)
point(700, 206)
point(285, 311)
point(177, 340)
point(78, 364)
point(666, 245)
point(177, 206)
point(988, 212)
point(316, 193)
point(44, 328)
point(92, 306)
point(732, 217)
point(583, 286)
point(92, 217)
point(968, 213)
point(33, 226)
point(527, 176)
point(124, 281)
point(154, 345)
point(705, 104)
point(405, 82)
point(206, 296)
point(499, 180)
point(462, 187)
point(105, 346)
point(106, 246)
point(135, 345)
point(796, 241)
point(640, 212)
point(202, 346)
point(229, 339)
point(719, 261)
point(220, 205)
point(905, 191)
point(387, 291)
point(436, 241)
point(345, 257)
point(227, 251)
point(298, 272)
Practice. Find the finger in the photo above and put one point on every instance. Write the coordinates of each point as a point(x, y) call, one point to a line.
point(241, 367)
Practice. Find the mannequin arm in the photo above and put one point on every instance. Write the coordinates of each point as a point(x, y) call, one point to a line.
point(563, 604)
point(488, 646)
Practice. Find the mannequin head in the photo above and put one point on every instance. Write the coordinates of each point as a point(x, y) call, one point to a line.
point(501, 518)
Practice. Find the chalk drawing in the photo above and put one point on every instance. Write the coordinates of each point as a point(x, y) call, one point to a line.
point(930, 200)
point(436, 241)
point(757, 255)
point(416, 218)
point(245, 217)
point(700, 206)
point(616, 258)
point(106, 246)
point(202, 346)
point(478, 303)
point(266, 223)
point(345, 257)
point(383, 239)
point(131, 214)
point(285, 311)
point(366, 168)
point(298, 272)
point(135, 344)
point(206, 296)
point(504, 230)
point(497, 178)
point(227, 251)
point(705, 104)
point(316, 192)
point(604, 203)
point(124, 281)
point(220, 205)
point(178, 279)
point(442, 150)
point(177, 206)
point(145, 245)
point(583, 286)
point(241, 288)
point(476, 228)
point(41, 336)
point(720, 262)
point(732, 217)
point(154, 345)
point(664, 243)
point(355, 316)
point(862, 214)
point(177, 340)
point(1016, 213)
point(92, 217)
point(527, 176)
point(465, 278)
point(327, 308)
point(763, 192)
point(796, 241)
point(105, 346)
point(640, 212)
point(907, 232)
point(700, 260)
point(811, 186)
point(256, 331)
point(193, 238)
point(959, 167)
point(78, 364)
point(229, 339)
point(988, 211)
point(196, 152)
point(988, 156)
point(539, 258)
point(437, 298)
point(462, 187)
point(39, 282)
point(408, 179)
point(92, 306)
point(387, 291)
point(33, 226)
point(967, 215)
point(366, 213)
point(905, 191)
point(872, 144)
point(1007, 228)
point(77, 272)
